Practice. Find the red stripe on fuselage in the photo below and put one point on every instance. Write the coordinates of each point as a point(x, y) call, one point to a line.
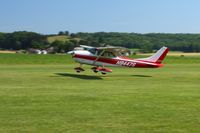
point(143, 63)
point(138, 63)
point(93, 58)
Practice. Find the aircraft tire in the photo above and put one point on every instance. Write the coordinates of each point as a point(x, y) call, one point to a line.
point(95, 71)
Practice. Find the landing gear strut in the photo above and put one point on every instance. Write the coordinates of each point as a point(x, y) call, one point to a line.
point(79, 69)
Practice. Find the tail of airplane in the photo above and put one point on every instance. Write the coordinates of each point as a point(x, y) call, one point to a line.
point(158, 57)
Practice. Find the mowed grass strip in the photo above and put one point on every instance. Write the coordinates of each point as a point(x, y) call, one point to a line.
point(58, 59)
point(38, 93)
point(34, 59)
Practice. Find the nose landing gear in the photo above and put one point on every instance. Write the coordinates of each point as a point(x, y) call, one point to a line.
point(79, 69)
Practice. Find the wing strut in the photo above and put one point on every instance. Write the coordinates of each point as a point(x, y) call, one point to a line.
point(98, 57)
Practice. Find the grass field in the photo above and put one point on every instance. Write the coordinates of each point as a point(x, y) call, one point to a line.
point(42, 93)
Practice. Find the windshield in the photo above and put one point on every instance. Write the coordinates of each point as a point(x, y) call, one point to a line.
point(93, 51)
point(106, 54)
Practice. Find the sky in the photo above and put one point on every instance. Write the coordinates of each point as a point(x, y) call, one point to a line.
point(139, 16)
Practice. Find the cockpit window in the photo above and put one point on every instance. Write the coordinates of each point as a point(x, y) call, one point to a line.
point(93, 51)
point(108, 54)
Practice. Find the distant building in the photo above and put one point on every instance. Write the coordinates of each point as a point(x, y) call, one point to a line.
point(43, 52)
point(50, 50)
point(38, 51)
point(34, 51)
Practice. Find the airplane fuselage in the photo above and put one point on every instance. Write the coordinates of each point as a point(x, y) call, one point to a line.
point(85, 57)
point(102, 57)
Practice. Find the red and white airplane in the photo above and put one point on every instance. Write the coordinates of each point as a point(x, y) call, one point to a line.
point(101, 57)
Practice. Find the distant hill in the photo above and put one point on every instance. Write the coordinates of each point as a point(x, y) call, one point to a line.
point(62, 38)
point(23, 40)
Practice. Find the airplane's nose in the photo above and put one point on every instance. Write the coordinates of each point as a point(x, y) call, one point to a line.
point(71, 52)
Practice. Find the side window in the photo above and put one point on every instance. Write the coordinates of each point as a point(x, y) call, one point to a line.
point(108, 54)
point(105, 54)
point(111, 54)
point(99, 52)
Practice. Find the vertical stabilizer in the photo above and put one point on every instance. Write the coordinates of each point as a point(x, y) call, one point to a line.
point(158, 57)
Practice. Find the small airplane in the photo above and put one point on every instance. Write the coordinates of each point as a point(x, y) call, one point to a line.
point(101, 57)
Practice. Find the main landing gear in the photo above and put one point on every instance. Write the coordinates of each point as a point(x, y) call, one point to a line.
point(94, 69)
point(102, 70)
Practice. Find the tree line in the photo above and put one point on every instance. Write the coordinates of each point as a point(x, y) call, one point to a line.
point(24, 40)
point(145, 42)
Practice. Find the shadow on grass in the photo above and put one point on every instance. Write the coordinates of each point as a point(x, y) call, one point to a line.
point(88, 77)
point(142, 76)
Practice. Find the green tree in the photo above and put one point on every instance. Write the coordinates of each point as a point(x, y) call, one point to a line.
point(67, 33)
point(61, 33)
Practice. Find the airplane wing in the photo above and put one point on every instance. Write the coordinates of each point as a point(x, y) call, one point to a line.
point(108, 48)
point(116, 50)
point(87, 47)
